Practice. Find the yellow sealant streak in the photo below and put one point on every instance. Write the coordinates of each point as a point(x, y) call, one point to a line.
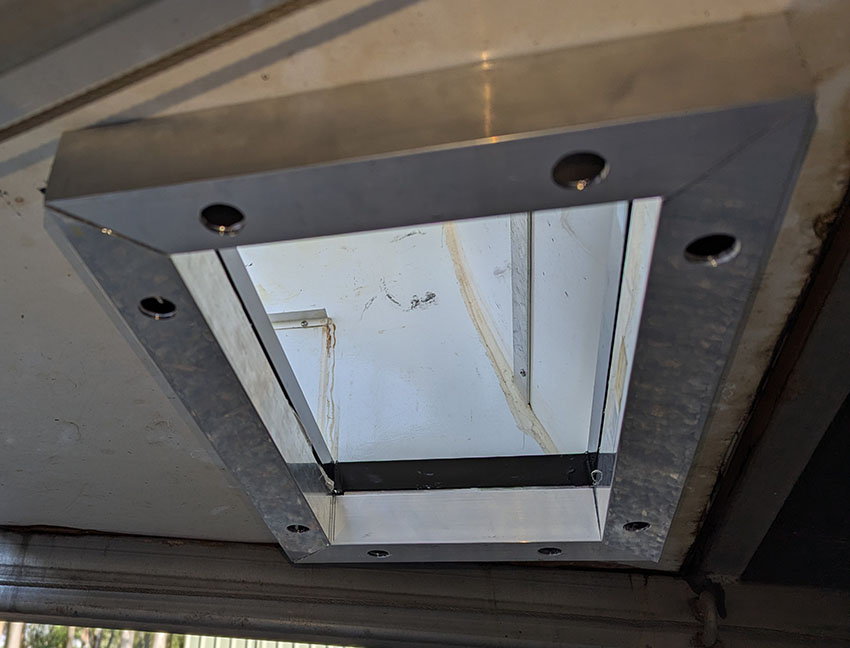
point(524, 416)
point(327, 406)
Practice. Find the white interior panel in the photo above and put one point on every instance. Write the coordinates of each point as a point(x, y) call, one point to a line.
point(408, 376)
point(486, 247)
point(570, 276)
point(415, 358)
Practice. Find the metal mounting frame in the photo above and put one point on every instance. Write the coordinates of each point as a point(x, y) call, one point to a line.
point(717, 132)
point(232, 588)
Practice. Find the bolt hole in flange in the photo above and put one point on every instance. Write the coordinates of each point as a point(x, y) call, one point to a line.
point(549, 551)
point(297, 528)
point(713, 249)
point(378, 553)
point(222, 219)
point(157, 307)
point(634, 527)
point(579, 170)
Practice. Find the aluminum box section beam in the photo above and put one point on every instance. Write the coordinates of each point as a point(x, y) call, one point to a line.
point(250, 591)
point(715, 121)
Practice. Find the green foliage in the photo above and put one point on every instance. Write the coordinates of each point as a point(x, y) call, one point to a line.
point(45, 636)
point(38, 635)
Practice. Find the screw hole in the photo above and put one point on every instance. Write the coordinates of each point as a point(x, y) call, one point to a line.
point(549, 551)
point(579, 170)
point(633, 527)
point(297, 528)
point(157, 307)
point(222, 219)
point(713, 249)
point(378, 553)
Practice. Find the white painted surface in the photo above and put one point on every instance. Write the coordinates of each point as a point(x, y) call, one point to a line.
point(407, 375)
point(571, 258)
point(415, 362)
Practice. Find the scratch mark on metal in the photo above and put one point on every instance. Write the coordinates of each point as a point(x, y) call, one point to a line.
point(524, 416)
point(79, 494)
point(398, 238)
point(565, 223)
point(366, 307)
point(387, 293)
point(77, 433)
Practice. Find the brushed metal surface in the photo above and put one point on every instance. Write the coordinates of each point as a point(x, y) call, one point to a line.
point(470, 515)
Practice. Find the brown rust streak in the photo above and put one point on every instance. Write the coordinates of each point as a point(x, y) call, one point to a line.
point(524, 416)
point(327, 407)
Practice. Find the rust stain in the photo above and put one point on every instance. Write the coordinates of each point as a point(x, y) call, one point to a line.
point(264, 294)
point(327, 405)
point(524, 416)
point(398, 238)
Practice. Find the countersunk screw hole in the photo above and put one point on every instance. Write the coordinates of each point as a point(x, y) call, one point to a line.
point(579, 170)
point(713, 249)
point(297, 528)
point(157, 307)
point(378, 553)
point(222, 219)
point(633, 527)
